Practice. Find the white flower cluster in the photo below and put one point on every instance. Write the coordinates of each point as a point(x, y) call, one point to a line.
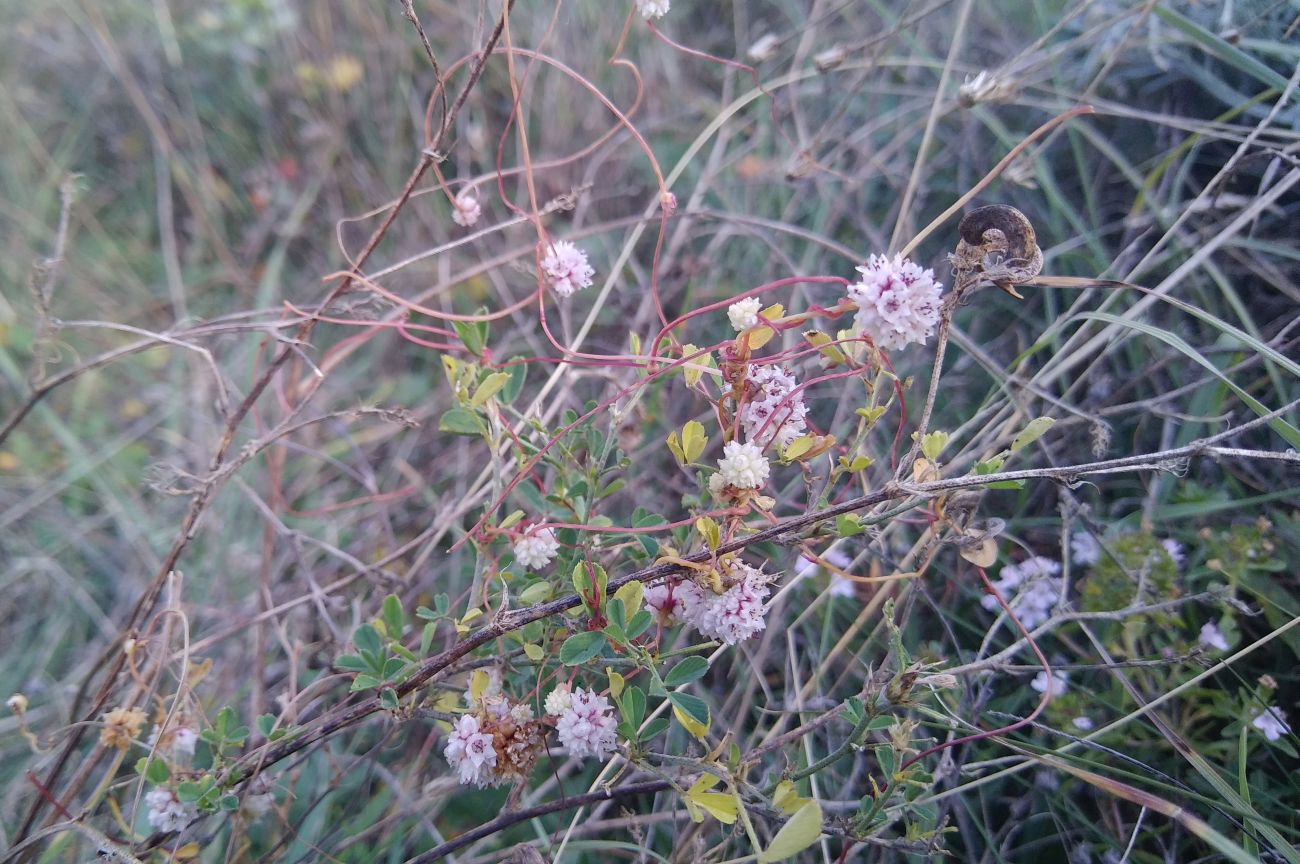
point(471, 751)
point(898, 301)
point(1037, 588)
point(653, 8)
point(1212, 637)
point(565, 267)
point(586, 723)
point(732, 616)
point(743, 314)
point(180, 740)
point(465, 209)
point(1084, 549)
point(774, 412)
point(662, 600)
point(1272, 722)
point(742, 465)
point(1060, 682)
point(168, 812)
point(535, 549)
point(839, 587)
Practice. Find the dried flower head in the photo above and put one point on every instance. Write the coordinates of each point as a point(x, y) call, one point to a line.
point(898, 301)
point(121, 727)
point(167, 812)
point(565, 267)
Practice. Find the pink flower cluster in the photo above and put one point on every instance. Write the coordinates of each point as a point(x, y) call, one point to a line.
point(898, 301)
point(586, 725)
point(471, 751)
point(774, 412)
point(732, 616)
point(565, 267)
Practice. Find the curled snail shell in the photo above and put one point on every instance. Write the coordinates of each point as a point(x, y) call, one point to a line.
point(997, 244)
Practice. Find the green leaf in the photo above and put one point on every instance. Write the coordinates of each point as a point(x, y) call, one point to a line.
point(265, 724)
point(473, 333)
point(654, 728)
point(848, 525)
point(692, 712)
point(581, 647)
point(367, 640)
point(536, 593)
point(688, 670)
point(363, 682)
point(491, 386)
point(154, 770)
point(518, 372)
point(640, 622)
point(394, 617)
point(801, 831)
point(458, 420)
point(352, 663)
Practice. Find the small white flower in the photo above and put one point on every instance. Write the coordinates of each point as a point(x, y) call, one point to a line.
point(1083, 723)
point(832, 556)
point(898, 301)
point(1272, 722)
point(652, 8)
point(1084, 549)
point(471, 752)
point(559, 700)
point(587, 727)
point(1212, 637)
point(168, 812)
point(732, 616)
point(1039, 590)
point(565, 267)
point(1060, 682)
point(183, 740)
point(535, 549)
point(841, 587)
point(743, 465)
point(743, 314)
point(465, 209)
point(1175, 550)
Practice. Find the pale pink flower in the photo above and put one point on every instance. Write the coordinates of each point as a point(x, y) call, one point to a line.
point(167, 812)
point(587, 727)
point(898, 301)
point(743, 465)
point(732, 616)
point(662, 601)
point(471, 752)
point(1272, 722)
point(668, 201)
point(1212, 637)
point(535, 549)
point(565, 267)
point(1175, 550)
point(465, 209)
point(774, 410)
point(1083, 723)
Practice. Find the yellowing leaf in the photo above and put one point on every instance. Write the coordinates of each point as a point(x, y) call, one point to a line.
point(720, 805)
point(787, 798)
point(933, 443)
point(616, 682)
point(796, 835)
point(709, 530)
point(534, 652)
point(1032, 433)
point(478, 684)
point(983, 555)
point(924, 471)
point(690, 724)
point(798, 447)
point(186, 852)
point(693, 440)
point(676, 448)
point(632, 594)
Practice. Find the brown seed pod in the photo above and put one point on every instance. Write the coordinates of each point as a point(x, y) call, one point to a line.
point(998, 243)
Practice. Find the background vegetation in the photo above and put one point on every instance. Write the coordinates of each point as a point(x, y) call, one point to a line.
point(179, 177)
